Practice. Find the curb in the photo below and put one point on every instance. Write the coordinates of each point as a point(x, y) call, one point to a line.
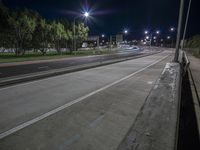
point(156, 125)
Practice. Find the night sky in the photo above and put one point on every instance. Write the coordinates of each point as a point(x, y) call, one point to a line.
point(113, 16)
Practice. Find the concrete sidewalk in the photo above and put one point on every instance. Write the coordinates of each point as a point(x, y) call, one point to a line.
point(194, 73)
point(195, 69)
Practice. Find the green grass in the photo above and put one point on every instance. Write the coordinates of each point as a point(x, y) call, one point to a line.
point(10, 57)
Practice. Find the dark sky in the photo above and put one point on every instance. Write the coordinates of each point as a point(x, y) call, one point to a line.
point(112, 16)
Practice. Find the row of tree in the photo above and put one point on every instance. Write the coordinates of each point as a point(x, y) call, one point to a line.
point(25, 30)
point(193, 45)
point(193, 42)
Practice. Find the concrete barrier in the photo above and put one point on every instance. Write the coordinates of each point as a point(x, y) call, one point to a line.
point(156, 127)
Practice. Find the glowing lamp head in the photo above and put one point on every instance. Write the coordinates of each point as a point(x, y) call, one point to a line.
point(157, 32)
point(86, 14)
point(172, 29)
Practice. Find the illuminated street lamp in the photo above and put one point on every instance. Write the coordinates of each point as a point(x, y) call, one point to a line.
point(86, 15)
point(125, 31)
point(102, 35)
point(151, 35)
point(168, 37)
point(157, 32)
point(172, 29)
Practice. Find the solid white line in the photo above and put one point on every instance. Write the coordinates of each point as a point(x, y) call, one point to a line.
point(23, 125)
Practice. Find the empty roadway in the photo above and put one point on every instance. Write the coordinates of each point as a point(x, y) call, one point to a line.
point(16, 70)
point(89, 109)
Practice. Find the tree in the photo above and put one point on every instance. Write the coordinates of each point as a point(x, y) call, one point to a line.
point(81, 33)
point(5, 35)
point(22, 26)
point(194, 42)
point(58, 34)
point(42, 36)
point(68, 29)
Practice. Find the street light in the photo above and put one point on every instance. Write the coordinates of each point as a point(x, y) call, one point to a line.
point(147, 37)
point(125, 31)
point(102, 35)
point(146, 32)
point(157, 32)
point(168, 37)
point(151, 35)
point(172, 29)
point(86, 15)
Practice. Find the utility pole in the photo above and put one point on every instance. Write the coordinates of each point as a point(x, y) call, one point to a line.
point(179, 31)
point(110, 42)
point(186, 23)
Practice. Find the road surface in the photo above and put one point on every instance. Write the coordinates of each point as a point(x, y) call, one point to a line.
point(7, 70)
point(87, 110)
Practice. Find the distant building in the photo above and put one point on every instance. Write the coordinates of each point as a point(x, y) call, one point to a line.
point(119, 38)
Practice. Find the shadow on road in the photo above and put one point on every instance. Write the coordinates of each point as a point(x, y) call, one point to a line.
point(188, 130)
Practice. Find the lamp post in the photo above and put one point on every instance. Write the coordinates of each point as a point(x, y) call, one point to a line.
point(151, 35)
point(179, 31)
point(172, 30)
point(125, 32)
point(186, 24)
point(86, 15)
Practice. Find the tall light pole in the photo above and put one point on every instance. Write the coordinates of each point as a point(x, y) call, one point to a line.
point(179, 31)
point(186, 23)
point(125, 32)
point(172, 29)
point(86, 15)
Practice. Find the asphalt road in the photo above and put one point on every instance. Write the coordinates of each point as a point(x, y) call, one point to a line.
point(16, 70)
point(91, 109)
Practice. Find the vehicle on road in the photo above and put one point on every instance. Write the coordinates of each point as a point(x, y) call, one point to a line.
point(128, 47)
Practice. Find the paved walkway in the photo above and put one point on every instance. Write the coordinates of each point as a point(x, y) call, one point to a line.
point(195, 69)
point(195, 85)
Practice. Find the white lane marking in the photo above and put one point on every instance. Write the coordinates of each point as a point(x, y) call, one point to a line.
point(39, 80)
point(30, 122)
point(43, 67)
